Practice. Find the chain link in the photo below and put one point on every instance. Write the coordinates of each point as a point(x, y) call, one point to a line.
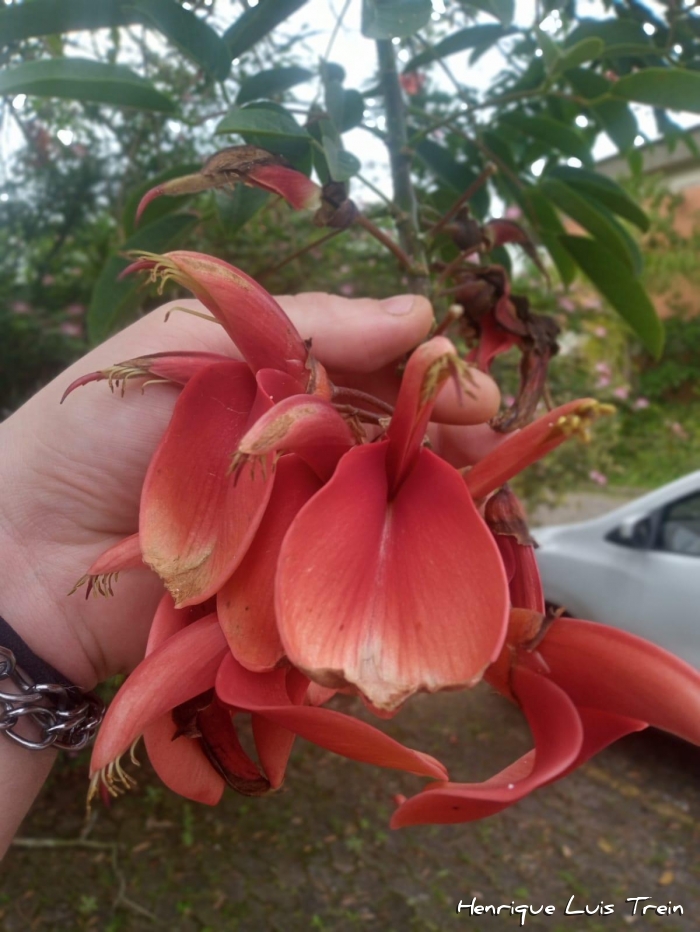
point(65, 717)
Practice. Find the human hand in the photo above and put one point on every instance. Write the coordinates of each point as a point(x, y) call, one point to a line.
point(71, 477)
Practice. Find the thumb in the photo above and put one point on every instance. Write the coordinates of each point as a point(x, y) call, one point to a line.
point(359, 334)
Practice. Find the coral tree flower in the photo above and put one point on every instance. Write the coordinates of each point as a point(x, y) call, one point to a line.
point(581, 685)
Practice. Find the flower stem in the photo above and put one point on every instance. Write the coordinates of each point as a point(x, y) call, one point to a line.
point(400, 160)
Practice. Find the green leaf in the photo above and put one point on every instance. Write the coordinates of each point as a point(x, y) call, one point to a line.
point(603, 189)
point(584, 51)
point(49, 17)
point(612, 31)
point(615, 117)
point(82, 79)
point(270, 126)
point(353, 109)
point(470, 38)
point(238, 207)
point(670, 88)
point(271, 82)
point(262, 121)
point(257, 22)
point(502, 10)
point(189, 33)
point(342, 165)
point(549, 227)
point(162, 205)
point(455, 176)
point(388, 19)
point(615, 282)
point(595, 218)
point(552, 133)
point(113, 300)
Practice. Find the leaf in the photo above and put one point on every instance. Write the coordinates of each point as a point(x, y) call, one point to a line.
point(502, 10)
point(189, 33)
point(270, 126)
point(388, 19)
point(271, 82)
point(257, 22)
point(263, 121)
point(552, 133)
point(353, 109)
point(342, 165)
point(612, 31)
point(159, 207)
point(584, 51)
point(47, 17)
point(240, 206)
point(670, 88)
point(112, 300)
point(545, 220)
point(603, 189)
point(615, 282)
point(470, 38)
point(595, 218)
point(615, 117)
point(82, 79)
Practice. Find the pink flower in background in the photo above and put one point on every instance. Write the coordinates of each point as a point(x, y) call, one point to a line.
point(678, 430)
point(75, 310)
point(566, 304)
point(622, 392)
point(640, 403)
point(600, 332)
point(48, 280)
point(598, 477)
point(509, 400)
point(347, 289)
point(70, 329)
point(412, 82)
point(592, 303)
point(513, 212)
point(20, 307)
point(603, 381)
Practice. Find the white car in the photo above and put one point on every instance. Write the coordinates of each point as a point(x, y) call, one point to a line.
point(637, 567)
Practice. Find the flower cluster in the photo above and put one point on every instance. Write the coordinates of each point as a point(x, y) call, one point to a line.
point(311, 542)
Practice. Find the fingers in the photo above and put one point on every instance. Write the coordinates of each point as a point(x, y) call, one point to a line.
point(359, 334)
point(464, 446)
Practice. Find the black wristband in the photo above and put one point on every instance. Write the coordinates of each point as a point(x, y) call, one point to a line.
point(27, 660)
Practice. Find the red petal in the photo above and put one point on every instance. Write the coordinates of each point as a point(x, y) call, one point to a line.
point(524, 447)
point(245, 604)
point(557, 732)
point(429, 366)
point(196, 522)
point(177, 671)
point(253, 319)
point(298, 190)
point(599, 730)
point(181, 764)
point(186, 184)
point(493, 340)
point(306, 425)
point(266, 694)
point(392, 597)
point(608, 669)
point(125, 555)
point(525, 585)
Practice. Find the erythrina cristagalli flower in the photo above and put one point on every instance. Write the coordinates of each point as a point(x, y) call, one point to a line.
point(309, 545)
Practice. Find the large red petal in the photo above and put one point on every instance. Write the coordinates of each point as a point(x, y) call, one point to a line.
point(246, 604)
point(181, 668)
point(253, 319)
point(392, 596)
point(525, 446)
point(266, 695)
point(604, 668)
point(196, 522)
point(557, 732)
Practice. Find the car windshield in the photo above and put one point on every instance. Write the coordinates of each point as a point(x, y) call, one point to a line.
point(680, 529)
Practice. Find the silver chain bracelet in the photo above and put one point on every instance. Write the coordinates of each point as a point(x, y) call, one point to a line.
point(66, 718)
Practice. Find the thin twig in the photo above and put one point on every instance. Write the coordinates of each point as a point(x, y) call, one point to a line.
point(263, 273)
point(386, 241)
point(488, 171)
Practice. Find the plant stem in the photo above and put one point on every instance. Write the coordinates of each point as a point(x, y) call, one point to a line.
point(400, 160)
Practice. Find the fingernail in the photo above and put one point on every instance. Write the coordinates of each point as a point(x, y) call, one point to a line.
point(399, 305)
